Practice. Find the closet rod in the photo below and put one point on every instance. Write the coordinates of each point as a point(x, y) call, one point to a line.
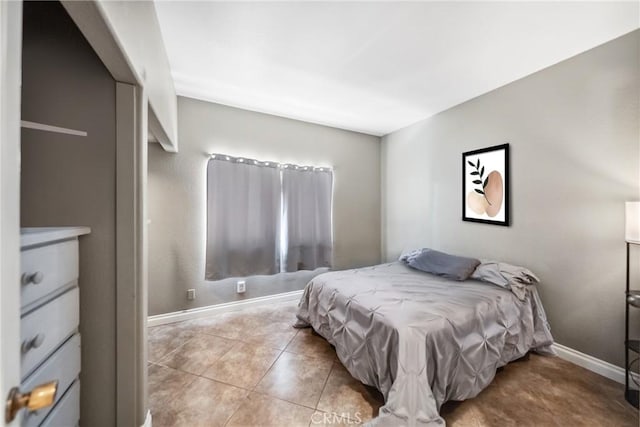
point(48, 128)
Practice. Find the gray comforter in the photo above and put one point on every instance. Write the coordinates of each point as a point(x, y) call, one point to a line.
point(421, 339)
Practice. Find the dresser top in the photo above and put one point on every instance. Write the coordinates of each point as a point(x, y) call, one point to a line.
point(32, 236)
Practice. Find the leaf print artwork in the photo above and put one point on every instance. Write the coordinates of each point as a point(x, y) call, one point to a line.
point(485, 190)
point(479, 171)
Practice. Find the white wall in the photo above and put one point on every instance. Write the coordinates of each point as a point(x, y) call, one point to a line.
point(574, 133)
point(136, 26)
point(177, 195)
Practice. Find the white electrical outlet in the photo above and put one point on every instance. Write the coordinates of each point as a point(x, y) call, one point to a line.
point(191, 294)
point(241, 286)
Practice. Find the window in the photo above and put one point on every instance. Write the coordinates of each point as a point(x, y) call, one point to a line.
point(264, 218)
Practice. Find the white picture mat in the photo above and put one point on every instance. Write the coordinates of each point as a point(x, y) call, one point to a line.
point(492, 160)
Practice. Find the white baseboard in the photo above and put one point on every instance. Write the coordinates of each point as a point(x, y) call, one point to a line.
point(194, 313)
point(593, 364)
point(147, 420)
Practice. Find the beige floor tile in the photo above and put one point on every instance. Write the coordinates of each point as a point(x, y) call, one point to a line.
point(166, 338)
point(204, 403)
point(544, 391)
point(233, 325)
point(198, 353)
point(164, 385)
point(243, 366)
point(269, 325)
point(308, 343)
point(285, 312)
point(469, 416)
point(251, 321)
point(296, 378)
point(347, 397)
point(261, 410)
point(220, 325)
point(278, 339)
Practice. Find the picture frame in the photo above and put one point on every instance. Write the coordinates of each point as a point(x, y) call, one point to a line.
point(485, 185)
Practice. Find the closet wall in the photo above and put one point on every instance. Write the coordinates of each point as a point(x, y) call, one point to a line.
point(70, 180)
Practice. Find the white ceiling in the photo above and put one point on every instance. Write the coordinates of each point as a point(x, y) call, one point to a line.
point(373, 67)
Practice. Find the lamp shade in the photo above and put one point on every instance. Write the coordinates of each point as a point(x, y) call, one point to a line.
point(632, 222)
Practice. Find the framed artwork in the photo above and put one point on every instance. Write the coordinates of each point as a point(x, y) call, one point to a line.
point(485, 185)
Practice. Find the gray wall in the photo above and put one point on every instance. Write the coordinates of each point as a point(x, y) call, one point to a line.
point(574, 134)
point(177, 194)
point(68, 180)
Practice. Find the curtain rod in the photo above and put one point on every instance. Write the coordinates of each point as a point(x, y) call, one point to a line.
point(225, 157)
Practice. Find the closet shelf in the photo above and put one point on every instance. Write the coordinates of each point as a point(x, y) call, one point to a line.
point(49, 128)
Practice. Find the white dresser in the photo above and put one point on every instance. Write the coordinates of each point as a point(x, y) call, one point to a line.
point(50, 315)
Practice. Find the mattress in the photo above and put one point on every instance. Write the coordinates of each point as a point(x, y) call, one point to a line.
point(421, 339)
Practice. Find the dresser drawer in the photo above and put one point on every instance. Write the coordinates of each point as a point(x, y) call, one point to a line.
point(44, 329)
point(66, 413)
point(46, 269)
point(64, 366)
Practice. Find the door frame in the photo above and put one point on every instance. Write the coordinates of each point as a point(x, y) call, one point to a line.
point(10, 93)
point(131, 252)
point(132, 109)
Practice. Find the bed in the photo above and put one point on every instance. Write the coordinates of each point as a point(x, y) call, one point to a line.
point(419, 338)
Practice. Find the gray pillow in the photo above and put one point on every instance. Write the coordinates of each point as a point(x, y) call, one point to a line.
point(409, 255)
point(449, 266)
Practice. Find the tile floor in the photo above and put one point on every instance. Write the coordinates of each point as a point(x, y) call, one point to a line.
point(251, 368)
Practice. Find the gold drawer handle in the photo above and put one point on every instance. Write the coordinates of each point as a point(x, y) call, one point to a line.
point(34, 278)
point(34, 342)
point(40, 397)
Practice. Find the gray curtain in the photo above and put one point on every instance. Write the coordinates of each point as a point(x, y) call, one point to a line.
point(306, 218)
point(243, 218)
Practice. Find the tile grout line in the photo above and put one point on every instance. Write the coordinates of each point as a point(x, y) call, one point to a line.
point(314, 408)
point(217, 359)
point(241, 340)
point(160, 361)
point(237, 341)
point(265, 394)
point(324, 386)
point(252, 390)
point(311, 357)
point(188, 384)
point(208, 379)
point(267, 371)
point(164, 356)
point(284, 400)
